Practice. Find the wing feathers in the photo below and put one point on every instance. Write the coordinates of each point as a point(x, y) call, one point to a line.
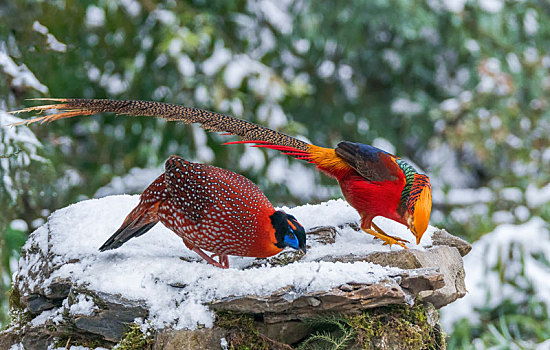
point(372, 163)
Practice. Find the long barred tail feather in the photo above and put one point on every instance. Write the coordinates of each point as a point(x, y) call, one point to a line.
point(286, 150)
point(212, 121)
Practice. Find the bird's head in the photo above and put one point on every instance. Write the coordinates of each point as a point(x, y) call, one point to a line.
point(419, 206)
point(288, 231)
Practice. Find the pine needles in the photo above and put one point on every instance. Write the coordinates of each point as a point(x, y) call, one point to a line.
point(336, 336)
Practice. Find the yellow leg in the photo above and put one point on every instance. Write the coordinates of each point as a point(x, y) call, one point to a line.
point(379, 233)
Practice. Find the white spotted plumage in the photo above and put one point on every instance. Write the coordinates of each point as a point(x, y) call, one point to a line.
point(214, 209)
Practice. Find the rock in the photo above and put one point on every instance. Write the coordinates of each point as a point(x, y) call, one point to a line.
point(37, 303)
point(353, 298)
point(206, 338)
point(443, 238)
point(112, 318)
point(446, 260)
point(65, 309)
point(288, 332)
point(36, 338)
point(323, 234)
point(9, 337)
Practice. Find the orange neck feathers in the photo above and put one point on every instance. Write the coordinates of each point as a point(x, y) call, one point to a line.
point(327, 161)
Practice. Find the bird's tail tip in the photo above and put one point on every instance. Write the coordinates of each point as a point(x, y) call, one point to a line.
point(65, 110)
point(124, 234)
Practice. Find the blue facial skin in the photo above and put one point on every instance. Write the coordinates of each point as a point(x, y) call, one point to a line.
point(288, 231)
point(292, 241)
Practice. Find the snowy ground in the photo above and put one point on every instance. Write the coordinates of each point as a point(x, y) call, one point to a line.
point(145, 268)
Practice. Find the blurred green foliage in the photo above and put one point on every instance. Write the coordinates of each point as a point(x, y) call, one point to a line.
point(461, 91)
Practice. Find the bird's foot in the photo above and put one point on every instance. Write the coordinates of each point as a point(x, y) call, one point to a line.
point(388, 240)
point(224, 261)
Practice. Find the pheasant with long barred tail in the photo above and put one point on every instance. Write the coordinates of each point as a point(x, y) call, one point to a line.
point(374, 182)
point(211, 209)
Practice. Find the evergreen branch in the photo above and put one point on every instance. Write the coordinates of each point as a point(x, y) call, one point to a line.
point(13, 154)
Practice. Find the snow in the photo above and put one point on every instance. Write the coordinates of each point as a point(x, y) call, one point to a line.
point(450, 105)
point(384, 145)
point(132, 7)
point(223, 343)
point(115, 84)
point(38, 27)
point(52, 314)
point(453, 5)
point(239, 68)
point(404, 106)
point(84, 306)
point(326, 69)
point(271, 114)
point(165, 17)
point(543, 346)
point(252, 158)
point(472, 45)
point(445, 169)
point(276, 13)
point(513, 62)
point(11, 138)
point(135, 181)
point(492, 6)
point(469, 196)
point(95, 16)
point(219, 58)
point(345, 72)
point(204, 153)
point(51, 40)
point(146, 268)
point(537, 197)
point(509, 253)
point(260, 77)
point(185, 65)
point(299, 178)
point(19, 225)
point(392, 58)
point(302, 45)
point(21, 75)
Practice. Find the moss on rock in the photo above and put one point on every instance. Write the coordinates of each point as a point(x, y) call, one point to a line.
point(135, 339)
point(388, 327)
point(243, 334)
point(392, 327)
point(19, 315)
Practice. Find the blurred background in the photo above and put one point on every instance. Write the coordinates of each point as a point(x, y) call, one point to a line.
point(459, 87)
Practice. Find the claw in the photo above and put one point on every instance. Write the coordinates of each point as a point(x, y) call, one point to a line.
point(387, 239)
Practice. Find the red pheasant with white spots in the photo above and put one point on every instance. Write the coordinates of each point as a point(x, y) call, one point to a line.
point(211, 209)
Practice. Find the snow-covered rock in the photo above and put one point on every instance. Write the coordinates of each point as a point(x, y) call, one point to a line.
point(65, 286)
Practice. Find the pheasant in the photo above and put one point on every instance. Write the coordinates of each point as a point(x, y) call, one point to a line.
point(374, 182)
point(211, 209)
